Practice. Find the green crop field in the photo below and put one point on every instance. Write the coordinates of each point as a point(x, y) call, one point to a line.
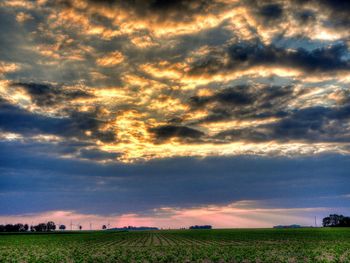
point(226, 245)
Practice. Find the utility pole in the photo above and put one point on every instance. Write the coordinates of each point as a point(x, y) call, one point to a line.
point(315, 222)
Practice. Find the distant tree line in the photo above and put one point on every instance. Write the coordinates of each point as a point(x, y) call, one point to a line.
point(201, 227)
point(42, 227)
point(335, 220)
point(14, 228)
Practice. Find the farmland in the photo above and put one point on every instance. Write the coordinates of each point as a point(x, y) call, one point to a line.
point(226, 245)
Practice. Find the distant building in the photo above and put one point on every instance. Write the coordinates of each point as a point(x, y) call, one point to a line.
point(201, 227)
point(288, 226)
point(134, 228)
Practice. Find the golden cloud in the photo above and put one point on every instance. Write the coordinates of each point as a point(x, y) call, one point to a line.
point(110, 59)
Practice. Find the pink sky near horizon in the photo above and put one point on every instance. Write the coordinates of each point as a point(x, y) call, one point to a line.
point(224, 216)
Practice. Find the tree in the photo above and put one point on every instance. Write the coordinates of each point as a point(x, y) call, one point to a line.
point(62, 227)
point(345, 222)
point(12, 228)
point(80, 227)
point(50, 226)
point(104, 227)
point(335, 220)
point(42, 227)
point(326, 221)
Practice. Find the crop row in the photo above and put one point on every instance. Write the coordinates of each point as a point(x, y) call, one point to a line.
point(180, 246)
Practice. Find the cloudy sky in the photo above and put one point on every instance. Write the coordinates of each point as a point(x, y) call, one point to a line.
point(172, 113)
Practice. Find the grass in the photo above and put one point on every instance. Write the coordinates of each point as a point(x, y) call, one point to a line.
point(221, 245)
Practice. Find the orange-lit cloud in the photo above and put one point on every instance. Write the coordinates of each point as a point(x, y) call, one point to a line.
point(203, 78)
point(110, 59)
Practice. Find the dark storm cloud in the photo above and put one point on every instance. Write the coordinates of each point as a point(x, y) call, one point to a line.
point(244, 102)
point(41, 183)
point(310, 124)
point(333, 14)
point(313, 124)
point(339, 12)
point(268, 14)
point(15, 119)
point(305, 16)
point(90, 121)
point(169, 131)
point(337, 5)
point(194, 5)
point(238, 95)
point(50, 95)
point(271, 11)
point(244, 55)
point(164, 9)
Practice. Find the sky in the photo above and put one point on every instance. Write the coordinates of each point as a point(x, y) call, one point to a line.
point(174, 113)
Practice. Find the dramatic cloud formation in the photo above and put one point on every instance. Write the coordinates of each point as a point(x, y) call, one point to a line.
point(114, 97)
